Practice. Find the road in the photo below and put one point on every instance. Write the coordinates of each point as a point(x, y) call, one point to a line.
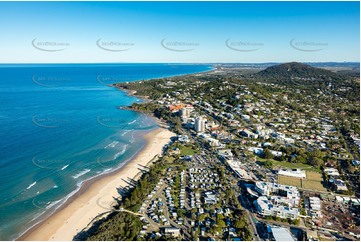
point(251, 219)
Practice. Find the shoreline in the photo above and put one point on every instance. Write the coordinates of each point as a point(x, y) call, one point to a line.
point(96, 196)
point(133, 93)
point(55, 218)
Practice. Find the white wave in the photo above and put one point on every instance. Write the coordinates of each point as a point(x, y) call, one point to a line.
point(132, 139)
point(107, 170)
point(51, 204)
point(58, 203)
point(112, 144)
point(31, 185)
point(125, 132)
point(64, 167)
point(120, 152)
point(133, 121)
point(82, 173)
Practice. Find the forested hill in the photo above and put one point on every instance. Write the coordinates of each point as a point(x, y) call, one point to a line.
point(312, 78)
point(295, 71)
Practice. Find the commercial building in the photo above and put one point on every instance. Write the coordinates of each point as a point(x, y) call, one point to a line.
point(315, 207)
point(225, 154)
point(280, 233)
point(293, 173)
point(268, 189)
point(266, 207)
point(277, 200)
point(185, 112)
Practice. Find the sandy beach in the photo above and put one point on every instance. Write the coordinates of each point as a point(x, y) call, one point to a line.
point(99, 197)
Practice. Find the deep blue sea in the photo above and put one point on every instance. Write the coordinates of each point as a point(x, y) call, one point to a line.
point(59, 126)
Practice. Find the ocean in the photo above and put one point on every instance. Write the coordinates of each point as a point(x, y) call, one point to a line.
point(60, 126)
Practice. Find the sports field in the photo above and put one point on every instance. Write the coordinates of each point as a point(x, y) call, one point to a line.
point(313, 181)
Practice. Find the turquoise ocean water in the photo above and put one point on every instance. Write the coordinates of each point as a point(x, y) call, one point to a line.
point(59, 127)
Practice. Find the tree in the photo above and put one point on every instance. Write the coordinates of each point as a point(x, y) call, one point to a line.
point(303, 211)
point(181, 212)
point(293, 159)
point(267, 164)
point(195, 235)
point(216, 229)
point(315, 161)
point(221, 223)
point(240, 223)
point(220, 217)
point(203, 216)
point(267, 154)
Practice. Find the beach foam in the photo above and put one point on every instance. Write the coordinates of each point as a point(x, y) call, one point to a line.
point(64, 167)
point(85, 207)
point(82, 173)
point(125, 132)
point(121, 152)
point(112, 144)
point(132, 121)
point(31, 185)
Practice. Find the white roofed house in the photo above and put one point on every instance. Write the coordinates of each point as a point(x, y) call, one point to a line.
point(276, 153)
point(245, 117)
point(256, 150)
point(331, 172)
point(249, 134)
point(278, 135)
point(340, 185)
point(210, 198)
point(172, 231)
point(289, 140)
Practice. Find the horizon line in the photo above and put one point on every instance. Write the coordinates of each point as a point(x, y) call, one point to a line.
point(188, 63)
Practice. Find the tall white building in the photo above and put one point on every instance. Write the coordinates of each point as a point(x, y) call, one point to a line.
point(184, 112)
point(200, 125)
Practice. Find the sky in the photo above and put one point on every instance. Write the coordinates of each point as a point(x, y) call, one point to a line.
point(179, 32)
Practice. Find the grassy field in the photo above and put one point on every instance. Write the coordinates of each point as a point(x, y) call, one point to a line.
point(313, 181)
point(292, 181)
point(314, 176)
point(187, 150)
point(169, 159)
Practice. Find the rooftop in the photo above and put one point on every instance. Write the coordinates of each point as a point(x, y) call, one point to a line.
point(281, 234)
